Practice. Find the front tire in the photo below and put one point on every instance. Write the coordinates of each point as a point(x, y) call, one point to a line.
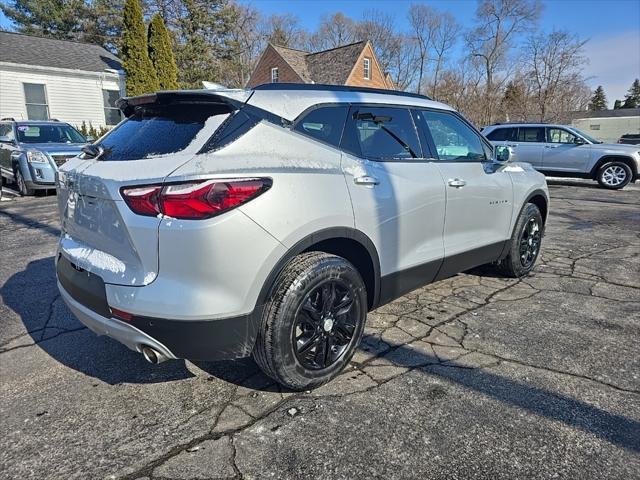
point(313, 321)
point(525, 243)
point(614, 175)
point(22, 185)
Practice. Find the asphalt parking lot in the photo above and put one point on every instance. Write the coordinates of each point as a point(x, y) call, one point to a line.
point(472, 377)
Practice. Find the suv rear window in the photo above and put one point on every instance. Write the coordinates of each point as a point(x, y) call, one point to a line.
point(503, 135)
point(158, 130)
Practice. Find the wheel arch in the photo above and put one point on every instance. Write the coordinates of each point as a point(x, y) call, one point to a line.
point(540, 200)
point(614, 158)
point(349, 243)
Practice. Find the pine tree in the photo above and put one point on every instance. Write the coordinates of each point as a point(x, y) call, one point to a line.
point(60, 19)
point(161, 54)
point(632, 98)
point(141, 76)
point(617, 104)
point(599, 100)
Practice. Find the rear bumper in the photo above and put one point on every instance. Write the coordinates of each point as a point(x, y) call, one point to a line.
point(216, 339)
point(126, 334)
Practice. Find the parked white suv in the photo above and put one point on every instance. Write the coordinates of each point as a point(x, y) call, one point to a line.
point(218, 224)
point(565, 151)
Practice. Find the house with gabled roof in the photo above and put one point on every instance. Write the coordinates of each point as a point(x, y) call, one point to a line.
point(354, 65)
point(45, 78)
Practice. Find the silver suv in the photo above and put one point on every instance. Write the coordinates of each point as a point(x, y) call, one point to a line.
point(217, 224)
point(565, 151)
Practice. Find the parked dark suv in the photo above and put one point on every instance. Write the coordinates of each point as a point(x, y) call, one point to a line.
point(630, 139)
point(31, 151)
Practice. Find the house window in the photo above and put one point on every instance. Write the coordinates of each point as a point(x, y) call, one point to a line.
point(367, 69)
point(35, 99)
point(274, 75)
point(112, 114)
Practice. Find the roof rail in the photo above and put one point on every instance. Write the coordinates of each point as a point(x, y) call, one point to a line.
point(335, 88)
point(521, 123)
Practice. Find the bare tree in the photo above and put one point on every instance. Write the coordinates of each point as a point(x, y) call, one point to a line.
point(283, 30)
point(445, 34)
point(423, 20)
point(498, 23)
point(554, 64)
point(334, 30)
point(246, 43)
point(395, 51)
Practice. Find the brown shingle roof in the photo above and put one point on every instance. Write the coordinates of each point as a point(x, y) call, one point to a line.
point(331, 66)
point(334, 66)
point(296, 60)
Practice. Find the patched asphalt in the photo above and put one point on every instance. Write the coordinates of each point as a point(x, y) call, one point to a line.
point(472, 377)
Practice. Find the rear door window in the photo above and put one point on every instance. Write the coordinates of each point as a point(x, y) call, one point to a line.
point(324, 124)
point(381, 133)
point(158, 130)
point(503, 134)
point(531, 134)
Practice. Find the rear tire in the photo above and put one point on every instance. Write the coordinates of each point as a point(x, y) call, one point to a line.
point(525, 243)
point(614, 175)
point(313, 321)
point(22, 185)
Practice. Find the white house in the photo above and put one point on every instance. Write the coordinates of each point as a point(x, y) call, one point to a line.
point(43, 78)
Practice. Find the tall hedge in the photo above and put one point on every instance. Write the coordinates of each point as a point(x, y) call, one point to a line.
point(161, 54)
point(141, 76)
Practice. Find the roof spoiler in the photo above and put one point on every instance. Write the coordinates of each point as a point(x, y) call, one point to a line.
point(233, 98)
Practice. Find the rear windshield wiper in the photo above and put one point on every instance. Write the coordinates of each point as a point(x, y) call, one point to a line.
point(379, 120)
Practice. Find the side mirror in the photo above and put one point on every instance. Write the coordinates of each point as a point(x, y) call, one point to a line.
point(579, 141)
point(92, 151)
point(5, 139)
point(90, 138)
point(503, 153)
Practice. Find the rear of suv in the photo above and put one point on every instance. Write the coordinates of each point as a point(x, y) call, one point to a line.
point(217, 224)
point(565, 151)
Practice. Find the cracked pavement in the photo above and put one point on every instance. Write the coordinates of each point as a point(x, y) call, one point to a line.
point(472, 377)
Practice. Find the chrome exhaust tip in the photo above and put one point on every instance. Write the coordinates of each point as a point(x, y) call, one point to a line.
point(152, 356)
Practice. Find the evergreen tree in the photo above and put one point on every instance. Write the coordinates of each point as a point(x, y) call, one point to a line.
point(62, 19)
point(599, 100)
point(161, 54)
point(617, 104)
point(141, 76)
point(632, 98)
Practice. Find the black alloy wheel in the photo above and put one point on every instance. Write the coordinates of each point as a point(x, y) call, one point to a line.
point(325, 325)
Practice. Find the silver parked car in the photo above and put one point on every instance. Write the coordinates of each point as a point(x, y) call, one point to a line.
point(218, 224)
point(32, 150)
point(565, 151)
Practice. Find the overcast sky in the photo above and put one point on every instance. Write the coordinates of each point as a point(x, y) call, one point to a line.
point(612, 27)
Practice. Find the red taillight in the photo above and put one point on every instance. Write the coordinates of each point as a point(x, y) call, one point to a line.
point(193, 200)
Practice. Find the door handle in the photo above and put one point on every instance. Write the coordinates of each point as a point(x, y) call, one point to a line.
point(515, 145)
point(457, 183)
point(366, 180)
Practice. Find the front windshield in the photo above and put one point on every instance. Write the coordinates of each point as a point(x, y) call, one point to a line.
point(582, 134)
point(48, 133)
